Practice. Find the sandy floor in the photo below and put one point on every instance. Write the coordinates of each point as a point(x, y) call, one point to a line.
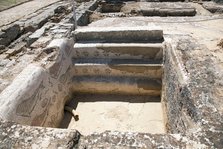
point(15, 13)
point(129, 114)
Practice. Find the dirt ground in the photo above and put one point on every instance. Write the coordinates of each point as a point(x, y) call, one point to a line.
point(116, 113)
point(15, 13)
point(5, 4)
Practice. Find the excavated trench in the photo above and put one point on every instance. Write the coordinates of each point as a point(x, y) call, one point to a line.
point(123, 113)
point(116, 86)
point(108, 79)
point(112, 79)
point(114, 96)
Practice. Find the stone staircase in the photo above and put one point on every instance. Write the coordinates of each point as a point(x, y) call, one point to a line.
point(118, 61)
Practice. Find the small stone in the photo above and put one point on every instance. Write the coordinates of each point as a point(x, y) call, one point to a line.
point(35, 146)
point(2, 34)
point(4, 41)
point(10, 33)
point(4, 62)
point(18, 48)
point(60, 9)
point(11, 51)
point(3, 56)
point(36, 35)
point(41, 42)
point(2, 47)
point(220, 43)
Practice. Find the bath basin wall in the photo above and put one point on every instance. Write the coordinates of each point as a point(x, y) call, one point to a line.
point(37, 95)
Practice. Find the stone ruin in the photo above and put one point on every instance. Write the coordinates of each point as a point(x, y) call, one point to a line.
point(113, 74)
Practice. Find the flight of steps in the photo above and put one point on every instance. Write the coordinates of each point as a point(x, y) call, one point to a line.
point(118, 61)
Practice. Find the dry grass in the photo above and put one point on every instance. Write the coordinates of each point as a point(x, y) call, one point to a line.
point(4, 4)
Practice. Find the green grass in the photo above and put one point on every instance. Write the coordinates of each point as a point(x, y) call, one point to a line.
point(4, 4)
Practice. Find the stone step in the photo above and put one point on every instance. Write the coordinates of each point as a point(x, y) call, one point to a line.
point(105, 67)
point(113, 97)
point(142, 34)
point(119, 51)
point(117, 85)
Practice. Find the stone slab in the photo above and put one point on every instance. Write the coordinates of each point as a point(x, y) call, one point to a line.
point(213, 7)
point(169, 12)
point(124, 68)
point(13, 135)
point(119, 34)
point(119, 51)
point(117, 85)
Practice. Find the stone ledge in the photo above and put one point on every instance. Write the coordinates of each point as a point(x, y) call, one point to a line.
point(213, 7)
point(119, 34)
point(13, 135)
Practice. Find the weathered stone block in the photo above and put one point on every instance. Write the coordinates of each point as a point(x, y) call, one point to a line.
point(119, 34)
point(9, 34)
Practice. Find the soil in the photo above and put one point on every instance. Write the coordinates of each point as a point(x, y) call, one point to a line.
point(5, 4)
point(99, 113)
point(15, 13)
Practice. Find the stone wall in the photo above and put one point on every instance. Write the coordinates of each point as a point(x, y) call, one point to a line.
point(189, 82)
point(174, 89)
point(13, 135)
point(186, 127)
point(37, 95)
